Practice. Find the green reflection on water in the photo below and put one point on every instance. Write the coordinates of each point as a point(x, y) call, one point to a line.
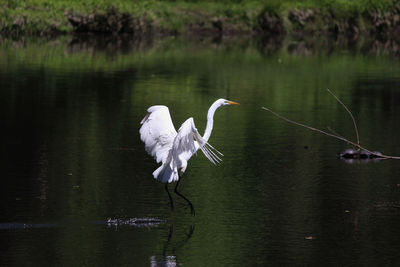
point(74, 109)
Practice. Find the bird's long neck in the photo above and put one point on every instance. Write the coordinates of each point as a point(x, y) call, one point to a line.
point(210, 120)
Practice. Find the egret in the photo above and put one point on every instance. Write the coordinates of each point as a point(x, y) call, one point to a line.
point(173, 149)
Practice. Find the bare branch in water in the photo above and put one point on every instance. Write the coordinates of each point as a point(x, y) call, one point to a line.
point(348, 111)
point(379, 155)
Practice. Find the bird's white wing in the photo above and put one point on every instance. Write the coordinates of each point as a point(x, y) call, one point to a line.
point(158, 132)
point(188, 140)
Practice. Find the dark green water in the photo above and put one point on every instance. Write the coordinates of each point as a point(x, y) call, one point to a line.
point(72, 158)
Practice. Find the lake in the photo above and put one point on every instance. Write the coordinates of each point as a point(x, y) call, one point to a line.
point(77, 186)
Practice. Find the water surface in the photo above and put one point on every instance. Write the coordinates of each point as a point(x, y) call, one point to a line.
point(72, 158)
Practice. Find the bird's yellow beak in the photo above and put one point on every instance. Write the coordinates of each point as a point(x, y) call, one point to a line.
point(232, 102)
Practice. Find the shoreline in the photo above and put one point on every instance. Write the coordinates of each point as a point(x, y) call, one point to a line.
point(195, 19)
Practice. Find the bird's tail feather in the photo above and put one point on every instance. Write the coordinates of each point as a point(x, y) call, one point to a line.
point(166, 174)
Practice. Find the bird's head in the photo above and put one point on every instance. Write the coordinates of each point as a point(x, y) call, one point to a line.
point(224, 102)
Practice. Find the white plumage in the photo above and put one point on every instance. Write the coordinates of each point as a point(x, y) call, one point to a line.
point(158, 132)
point(173, 149)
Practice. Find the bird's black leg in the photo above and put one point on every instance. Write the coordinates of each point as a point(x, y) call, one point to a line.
point(182, 196)
point(171, 202)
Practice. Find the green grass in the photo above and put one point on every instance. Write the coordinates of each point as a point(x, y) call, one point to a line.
point(36, 16)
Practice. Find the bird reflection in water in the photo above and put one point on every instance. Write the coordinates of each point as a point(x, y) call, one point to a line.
point(170, 260)
point(167, 261)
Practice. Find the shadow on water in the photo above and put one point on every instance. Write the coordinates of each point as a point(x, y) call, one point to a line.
point(266, 44)
point(122, 44)
point(296, 44)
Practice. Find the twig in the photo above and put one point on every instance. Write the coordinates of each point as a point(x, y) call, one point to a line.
point(331, 135)
point(348, 111)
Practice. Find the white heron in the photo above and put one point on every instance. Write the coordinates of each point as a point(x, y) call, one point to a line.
point(173, 149)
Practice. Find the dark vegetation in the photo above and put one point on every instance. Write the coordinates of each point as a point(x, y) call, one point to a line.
point(379, 18)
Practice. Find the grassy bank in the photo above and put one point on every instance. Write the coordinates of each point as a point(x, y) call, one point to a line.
point(350, 17)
